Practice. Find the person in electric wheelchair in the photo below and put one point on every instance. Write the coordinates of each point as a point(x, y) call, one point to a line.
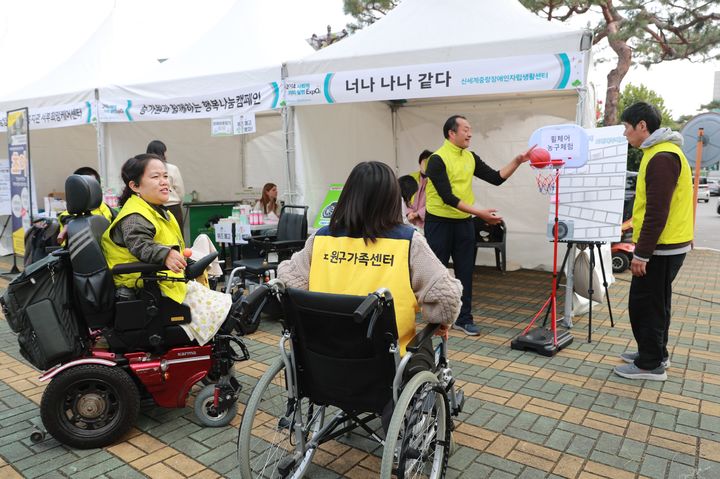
point(144, 230)
point(102, 355)
point(344, 348)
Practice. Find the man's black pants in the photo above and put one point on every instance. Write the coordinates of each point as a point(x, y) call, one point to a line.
point(649, 308)
point(456, 240)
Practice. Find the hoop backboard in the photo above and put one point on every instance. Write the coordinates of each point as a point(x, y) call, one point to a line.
point(568, 143)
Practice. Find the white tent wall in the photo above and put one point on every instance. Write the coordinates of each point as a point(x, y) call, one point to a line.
point(55, 153)
point(501, 128)
point(332, 139)
point(211, 166)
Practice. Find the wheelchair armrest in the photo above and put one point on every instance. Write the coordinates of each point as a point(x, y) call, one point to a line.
point(261, 240)
point(198, 267)
point(138, 267)
point(424, 335)
point(288, 244)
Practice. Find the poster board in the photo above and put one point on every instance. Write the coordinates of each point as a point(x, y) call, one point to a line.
point(592, 196)
point(328, 205)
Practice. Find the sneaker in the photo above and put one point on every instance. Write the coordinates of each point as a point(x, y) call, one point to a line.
point(630, 371)
point(470, 329)
point(631, 357)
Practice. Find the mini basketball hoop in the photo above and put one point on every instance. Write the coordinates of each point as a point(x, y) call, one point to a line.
point(546, 170)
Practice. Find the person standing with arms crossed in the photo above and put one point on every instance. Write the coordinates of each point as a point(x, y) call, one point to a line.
point(449, 206)
point(662, 233)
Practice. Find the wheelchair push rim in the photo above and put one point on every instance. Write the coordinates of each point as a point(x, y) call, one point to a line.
point(418, 439)
point(268, 436)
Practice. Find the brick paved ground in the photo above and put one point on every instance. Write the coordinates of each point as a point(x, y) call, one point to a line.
point(526, 416)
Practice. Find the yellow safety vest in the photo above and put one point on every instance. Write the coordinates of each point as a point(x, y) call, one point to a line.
point(416, 177)
point(679, 225)
point(460, 167)
point(102, 210)
point(344, 265)
point(167, 233)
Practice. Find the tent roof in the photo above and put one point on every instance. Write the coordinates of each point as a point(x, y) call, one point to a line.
point(241, 50)
point(430, 31)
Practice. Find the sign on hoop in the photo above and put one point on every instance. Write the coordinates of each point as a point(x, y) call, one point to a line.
point(568, 143)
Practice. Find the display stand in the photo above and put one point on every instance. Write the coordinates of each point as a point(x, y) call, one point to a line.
point(546, 342)
point(592, 245)
point(14, 270)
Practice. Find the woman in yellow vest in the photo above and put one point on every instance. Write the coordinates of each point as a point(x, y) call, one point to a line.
point(144, 230)
point(367, 246)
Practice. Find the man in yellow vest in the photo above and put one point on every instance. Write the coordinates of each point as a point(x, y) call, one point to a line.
point(102, 210)
point(449, 206)
point(662, 233)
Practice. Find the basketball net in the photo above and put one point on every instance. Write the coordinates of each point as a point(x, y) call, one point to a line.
point(546, 175)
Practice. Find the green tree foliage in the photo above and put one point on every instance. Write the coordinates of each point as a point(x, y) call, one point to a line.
point(367, 12)
point(633, 94)
point(644, 32)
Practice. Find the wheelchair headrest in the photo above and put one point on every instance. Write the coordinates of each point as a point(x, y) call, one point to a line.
point(82, 194)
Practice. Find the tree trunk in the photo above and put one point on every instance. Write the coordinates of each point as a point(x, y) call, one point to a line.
point(617, 74)
point(614, 79)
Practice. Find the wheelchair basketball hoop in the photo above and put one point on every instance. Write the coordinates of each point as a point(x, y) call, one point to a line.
point(546, 175)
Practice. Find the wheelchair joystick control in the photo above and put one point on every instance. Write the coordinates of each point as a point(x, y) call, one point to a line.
point(187, 252)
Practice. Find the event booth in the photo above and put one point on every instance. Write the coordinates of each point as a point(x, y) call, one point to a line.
point(385, 92)
point(134, 96)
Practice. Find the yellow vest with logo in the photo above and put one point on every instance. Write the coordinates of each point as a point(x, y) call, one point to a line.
point(679, 225)
point(345, 265)
point(167, 233)
point(460, 167)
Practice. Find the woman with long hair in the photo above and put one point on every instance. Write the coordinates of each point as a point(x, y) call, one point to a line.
point(145, 231)
point(268, 203)
point(378, 250)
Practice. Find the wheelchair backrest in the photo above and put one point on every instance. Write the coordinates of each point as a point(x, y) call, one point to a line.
point(92, 281)
point(337, 364)
point(293, 224)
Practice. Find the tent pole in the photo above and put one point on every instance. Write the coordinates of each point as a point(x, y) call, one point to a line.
point(393, 117)
point(100, 140)
point(288, 125)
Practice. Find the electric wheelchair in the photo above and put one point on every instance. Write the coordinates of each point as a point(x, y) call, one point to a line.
point(102, 354)
point(340, 370)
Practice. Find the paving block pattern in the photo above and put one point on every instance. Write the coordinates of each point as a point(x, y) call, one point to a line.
point(526, 415)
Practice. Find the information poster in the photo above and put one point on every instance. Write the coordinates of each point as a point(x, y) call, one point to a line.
point(19, 153)
point(328, 205)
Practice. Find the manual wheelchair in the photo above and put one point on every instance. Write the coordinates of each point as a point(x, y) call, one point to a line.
point(103, 354)
point(340, 369)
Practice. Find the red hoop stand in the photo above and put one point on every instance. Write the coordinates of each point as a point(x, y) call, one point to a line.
point(547, 342)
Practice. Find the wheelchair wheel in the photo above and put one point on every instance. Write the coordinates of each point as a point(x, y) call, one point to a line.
point(267, 443)
point(90, 406)
point(205, 411)
point(418, 439)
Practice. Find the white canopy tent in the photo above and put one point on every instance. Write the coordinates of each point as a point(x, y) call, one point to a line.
point(331, 138)
point(115, 70)
point(230, 59)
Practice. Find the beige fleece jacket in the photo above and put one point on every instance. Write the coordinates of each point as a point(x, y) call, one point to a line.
point(436, 291)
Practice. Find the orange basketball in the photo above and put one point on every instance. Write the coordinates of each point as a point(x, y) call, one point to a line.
point(539, 157)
